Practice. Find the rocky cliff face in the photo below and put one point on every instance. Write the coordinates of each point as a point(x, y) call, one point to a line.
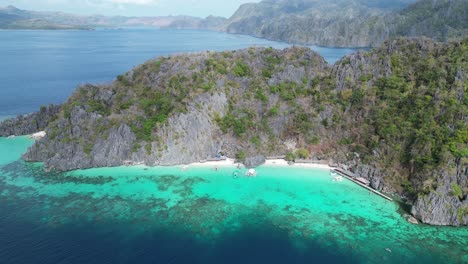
point(30, 123)
point(108, 125)
point(412, 162)
point(396, 115)
point(448, 203)
point(350, 23)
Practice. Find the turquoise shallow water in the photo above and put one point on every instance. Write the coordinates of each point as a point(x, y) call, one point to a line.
point(298, 213)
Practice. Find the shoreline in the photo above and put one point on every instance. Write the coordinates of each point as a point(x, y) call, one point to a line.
point(283, 163)
point(268, 163)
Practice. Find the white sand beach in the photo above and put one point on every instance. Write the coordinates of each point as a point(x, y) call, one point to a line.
point(273, 162)
point(224, 163)
point(282, 162)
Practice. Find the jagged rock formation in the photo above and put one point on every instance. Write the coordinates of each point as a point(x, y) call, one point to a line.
point(407, 147)
point(169, 111)
point(397, 115)
point(255, 161)
point(441, 20)
point(356, 23)
point(30, 123)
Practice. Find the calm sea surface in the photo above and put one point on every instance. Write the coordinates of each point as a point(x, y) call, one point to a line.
point(43, 67)
point(170, 215)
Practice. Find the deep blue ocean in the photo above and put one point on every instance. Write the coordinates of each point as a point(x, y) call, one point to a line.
point(44, 67)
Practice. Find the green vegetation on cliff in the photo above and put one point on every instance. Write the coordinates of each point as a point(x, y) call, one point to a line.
point(348, 23)
point(416, 114)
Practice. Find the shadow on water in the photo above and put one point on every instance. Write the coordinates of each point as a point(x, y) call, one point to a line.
point(272, 245)
point(117, 243)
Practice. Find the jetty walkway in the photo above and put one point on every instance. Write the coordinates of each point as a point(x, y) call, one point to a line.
point(352, 177)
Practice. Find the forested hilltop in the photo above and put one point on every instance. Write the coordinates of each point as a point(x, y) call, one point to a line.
point(396, 115)
point(351, 23)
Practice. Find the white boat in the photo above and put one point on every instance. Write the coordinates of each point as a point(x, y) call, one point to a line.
point(251, 173)
point(338, 179)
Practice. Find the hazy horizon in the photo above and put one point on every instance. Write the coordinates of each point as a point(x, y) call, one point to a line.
point(198, 8)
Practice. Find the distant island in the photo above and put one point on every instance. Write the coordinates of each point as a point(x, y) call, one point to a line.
point(14, 18)
point(396, 115)
point(336, 23)
point(351, 23)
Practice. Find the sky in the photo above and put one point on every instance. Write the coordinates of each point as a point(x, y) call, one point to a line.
point(199, 8)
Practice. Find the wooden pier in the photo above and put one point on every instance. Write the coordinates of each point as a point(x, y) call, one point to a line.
point(351, 176)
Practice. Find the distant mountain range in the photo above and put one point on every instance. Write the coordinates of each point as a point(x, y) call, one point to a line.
point(346, 23)
point(14, 18)
point(340, 23)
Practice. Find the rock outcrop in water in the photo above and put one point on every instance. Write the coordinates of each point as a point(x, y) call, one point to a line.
point(30, 123)
point(396, 115)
